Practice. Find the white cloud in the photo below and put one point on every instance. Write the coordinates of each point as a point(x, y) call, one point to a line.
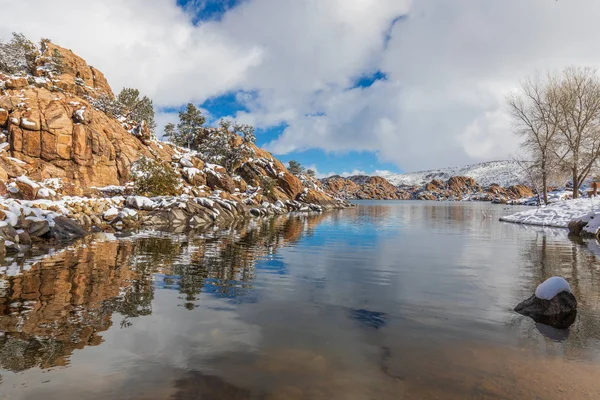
point(150, 45)
point(448, 64)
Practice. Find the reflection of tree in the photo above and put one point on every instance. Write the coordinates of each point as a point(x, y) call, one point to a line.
point(65, 301)
point(224, 264)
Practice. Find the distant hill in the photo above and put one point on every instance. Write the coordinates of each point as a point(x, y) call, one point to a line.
point(504, 173)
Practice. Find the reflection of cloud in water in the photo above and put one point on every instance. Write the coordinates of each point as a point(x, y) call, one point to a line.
point(367, 304)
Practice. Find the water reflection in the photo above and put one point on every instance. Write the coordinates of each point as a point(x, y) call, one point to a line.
point(63, 303)
point(386, 300)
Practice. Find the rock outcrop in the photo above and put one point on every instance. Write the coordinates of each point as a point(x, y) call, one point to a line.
point(364, 188)
point(454, 188)
point(66, 162)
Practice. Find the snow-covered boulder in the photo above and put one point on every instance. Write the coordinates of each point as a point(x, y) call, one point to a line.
point(140, 203)
point(587, 225)
point(552, 304)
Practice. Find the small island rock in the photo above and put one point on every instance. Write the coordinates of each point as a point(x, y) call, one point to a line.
point(552, 304)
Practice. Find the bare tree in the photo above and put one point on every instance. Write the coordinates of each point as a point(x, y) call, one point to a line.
point(578, 100)
point(535, 112)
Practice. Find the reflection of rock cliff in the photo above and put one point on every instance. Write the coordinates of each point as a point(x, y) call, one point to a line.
point(64, 302)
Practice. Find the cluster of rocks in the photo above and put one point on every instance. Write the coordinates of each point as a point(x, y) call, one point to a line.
point(364, 188)
point(23, 222)
point(456, 188)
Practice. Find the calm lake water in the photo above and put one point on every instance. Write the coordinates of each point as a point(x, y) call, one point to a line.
point(389, 300)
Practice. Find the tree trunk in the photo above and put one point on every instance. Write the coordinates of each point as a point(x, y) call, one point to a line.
point(544, 181)
point(545, 187)
point(576, 184)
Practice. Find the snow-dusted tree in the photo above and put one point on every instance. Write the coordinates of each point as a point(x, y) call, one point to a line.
point(106, 104)
point(190, 128)
point(295, 167)
point(535, 115)
point(57, 63)
point(18, 56)
point(216, 145)
point(310, 173)
point(578, 98)
point(137, 108)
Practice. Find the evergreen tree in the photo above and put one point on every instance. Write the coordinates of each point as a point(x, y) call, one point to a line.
point(136, 108)
point(295, 167)
point(18, 56)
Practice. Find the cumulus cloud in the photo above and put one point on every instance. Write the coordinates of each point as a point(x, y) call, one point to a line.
point(151, 45)
point(448, 65)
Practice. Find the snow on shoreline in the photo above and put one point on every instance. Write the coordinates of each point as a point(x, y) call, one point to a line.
point(557, 215)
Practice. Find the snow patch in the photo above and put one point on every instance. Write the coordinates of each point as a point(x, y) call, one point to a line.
point(551, 287)
point(556, 215)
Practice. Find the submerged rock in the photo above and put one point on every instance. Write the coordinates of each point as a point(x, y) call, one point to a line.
point(553, 304)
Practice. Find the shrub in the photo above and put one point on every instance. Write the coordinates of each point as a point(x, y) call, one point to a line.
point(151, 178)
point(267, 184)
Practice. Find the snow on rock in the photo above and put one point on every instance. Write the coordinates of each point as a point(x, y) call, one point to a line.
point(46, 193)
point(556, 215)
point(186, 162)
point(551, 287)
point(11, 218)
point(28, 182)
point(586, 225)
point(110, 213)
point(26, 122)
point(140, 203)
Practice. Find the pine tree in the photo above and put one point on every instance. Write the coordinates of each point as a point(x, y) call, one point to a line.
point(136, 108)
point(190, 128)
point(295, 167)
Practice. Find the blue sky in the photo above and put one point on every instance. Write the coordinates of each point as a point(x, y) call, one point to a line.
point(227, 105)
point(341, 85)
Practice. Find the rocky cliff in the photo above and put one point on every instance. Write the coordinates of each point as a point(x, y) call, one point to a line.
point(53, 128)
point(454, 188)
point(62, 153)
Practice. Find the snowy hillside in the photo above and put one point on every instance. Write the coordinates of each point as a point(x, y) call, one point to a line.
point(504, 173)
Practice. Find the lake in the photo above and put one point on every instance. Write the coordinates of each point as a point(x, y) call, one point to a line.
point(387, 300)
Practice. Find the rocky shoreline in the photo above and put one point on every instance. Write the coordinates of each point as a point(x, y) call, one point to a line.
point(29, 223)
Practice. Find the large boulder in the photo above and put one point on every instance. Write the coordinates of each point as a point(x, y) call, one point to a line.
point(552, 304)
